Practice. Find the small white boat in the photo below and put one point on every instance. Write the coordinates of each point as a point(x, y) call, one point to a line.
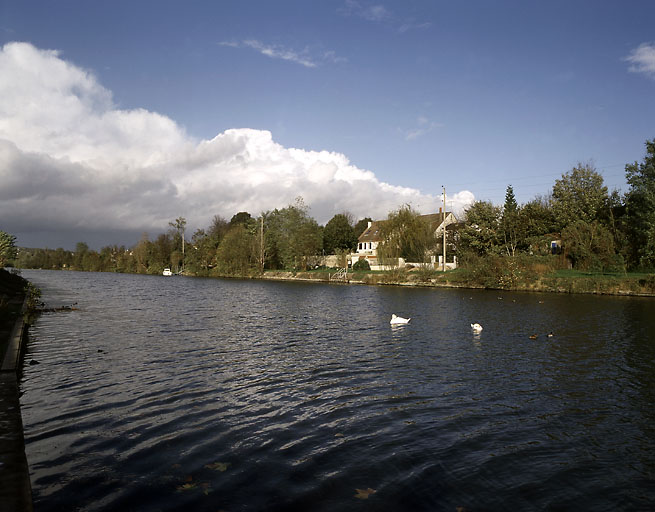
point(398, 320)
point(167, 272)
point(476, 327)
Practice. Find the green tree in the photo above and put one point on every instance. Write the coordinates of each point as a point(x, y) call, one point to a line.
point(590, 246)
point(510, 223)
point(179, 226)
point(236, 253)
point(241, 218)
point(291, 237)
point(8, 249)
point(481, 232)
point(640, 209)
point(406, 234)
point(579, 195)
point(338, 234)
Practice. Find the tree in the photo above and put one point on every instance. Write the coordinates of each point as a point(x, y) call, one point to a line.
point(236, 253)
point(8, 249)
point(481, 232)
point(179, 225)
point(291, 236)
point(579, 195)
point(510, 223)
point(338, 234)
point(590, 246)
point(640, 209)
point(241, 218)
point(406, 234)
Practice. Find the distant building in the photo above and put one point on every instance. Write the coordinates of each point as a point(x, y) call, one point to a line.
point(368, 241)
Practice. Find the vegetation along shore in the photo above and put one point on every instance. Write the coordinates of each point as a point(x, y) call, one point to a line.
point(577, 238)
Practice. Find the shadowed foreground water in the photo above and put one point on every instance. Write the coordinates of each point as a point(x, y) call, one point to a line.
point(198, 394)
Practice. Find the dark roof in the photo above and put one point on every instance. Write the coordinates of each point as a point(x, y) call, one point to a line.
point(371, 234)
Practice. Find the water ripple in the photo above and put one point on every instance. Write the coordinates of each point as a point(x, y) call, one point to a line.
point(169, 394)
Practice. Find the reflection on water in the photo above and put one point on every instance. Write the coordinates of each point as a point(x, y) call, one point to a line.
point(163, 393)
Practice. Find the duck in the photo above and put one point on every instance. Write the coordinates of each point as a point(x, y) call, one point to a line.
point(476, 327)
point(534, 336)
point(397, 320)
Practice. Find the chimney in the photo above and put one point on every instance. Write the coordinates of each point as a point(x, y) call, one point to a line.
point(440, 209)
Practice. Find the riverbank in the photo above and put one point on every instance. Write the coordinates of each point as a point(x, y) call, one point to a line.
point(639, 285)
point(15, 492)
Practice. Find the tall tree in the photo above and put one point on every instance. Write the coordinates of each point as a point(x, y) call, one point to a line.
point(180, 226)
point(236, 254)
point(338, 234)
point(640, 209)
point(579, 195)
point(291, 236)
point(481, 232)
point(510, 223)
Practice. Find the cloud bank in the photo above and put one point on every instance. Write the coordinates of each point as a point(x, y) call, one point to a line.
point(71, 163)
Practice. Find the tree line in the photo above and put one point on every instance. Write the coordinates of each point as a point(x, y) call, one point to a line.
point(594, 230)
point(286, 238)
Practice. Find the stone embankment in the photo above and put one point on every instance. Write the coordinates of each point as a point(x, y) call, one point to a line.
point(15, 491)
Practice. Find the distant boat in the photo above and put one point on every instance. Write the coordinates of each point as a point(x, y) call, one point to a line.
point(167, 272)
point(398, 320)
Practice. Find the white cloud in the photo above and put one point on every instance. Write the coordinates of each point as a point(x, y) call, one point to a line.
point(304, 58)
point(642, 59)
point(70, 161)
point(423, 126)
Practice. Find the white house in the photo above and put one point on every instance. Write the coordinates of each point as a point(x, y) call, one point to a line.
point(367, 243)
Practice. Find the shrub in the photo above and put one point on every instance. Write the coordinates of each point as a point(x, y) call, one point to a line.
point(361, 265)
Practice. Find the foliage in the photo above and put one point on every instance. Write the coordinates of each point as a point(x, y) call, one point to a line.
point(361, 265)
point(510, 223)
point(579, 195)
point(640, 210)
point(480, 234)
point(590, 246)
point(538, 218)
point(236, 255)
point(291, 237)
point(338, 234)
point(7, 248)
point(407, 235)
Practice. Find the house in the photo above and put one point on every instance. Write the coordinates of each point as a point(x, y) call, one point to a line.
point(367, 243)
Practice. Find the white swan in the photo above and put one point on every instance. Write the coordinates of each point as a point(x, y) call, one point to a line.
point(396, 320)
point(476, 327)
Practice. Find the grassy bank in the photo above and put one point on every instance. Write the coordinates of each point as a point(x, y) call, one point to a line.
point(538, 277)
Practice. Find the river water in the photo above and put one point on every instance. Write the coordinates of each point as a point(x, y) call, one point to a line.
point(177, 393)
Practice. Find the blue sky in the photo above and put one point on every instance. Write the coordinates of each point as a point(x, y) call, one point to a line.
point(470, 95)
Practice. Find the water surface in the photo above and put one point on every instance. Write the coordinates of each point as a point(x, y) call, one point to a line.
point(169, 393)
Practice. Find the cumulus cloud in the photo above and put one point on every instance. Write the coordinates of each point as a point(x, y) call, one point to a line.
point(642, 59)
point(70, 161)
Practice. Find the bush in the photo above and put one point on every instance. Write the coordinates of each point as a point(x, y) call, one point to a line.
point(361, 265)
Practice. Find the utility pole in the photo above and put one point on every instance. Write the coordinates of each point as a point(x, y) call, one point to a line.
point(444, 228)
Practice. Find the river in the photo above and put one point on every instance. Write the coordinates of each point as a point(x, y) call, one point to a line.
point(176, 393)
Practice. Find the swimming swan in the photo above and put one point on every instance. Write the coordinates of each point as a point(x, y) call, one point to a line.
point(396, 320)
point(476, 327)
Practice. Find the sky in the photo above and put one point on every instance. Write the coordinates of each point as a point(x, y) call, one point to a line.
point(118, 117)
